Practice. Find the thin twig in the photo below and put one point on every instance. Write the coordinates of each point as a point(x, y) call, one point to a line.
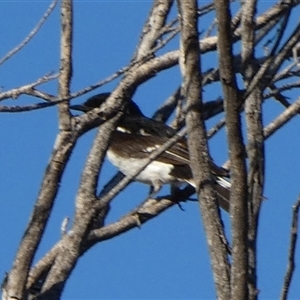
point(277, 90)
point(28, 88)
point(282, 27)
point(31, 34)
point(292, 251)
point(282, 119)
point(30, 107)
point(151, 32)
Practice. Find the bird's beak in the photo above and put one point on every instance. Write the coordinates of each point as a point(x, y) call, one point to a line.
point(79, 107)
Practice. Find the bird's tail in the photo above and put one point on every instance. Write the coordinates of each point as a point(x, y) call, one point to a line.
point(222, 190)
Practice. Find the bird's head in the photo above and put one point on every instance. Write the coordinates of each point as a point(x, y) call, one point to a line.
point(96, 101)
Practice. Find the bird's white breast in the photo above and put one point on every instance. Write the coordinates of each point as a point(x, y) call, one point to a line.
point(154, 172)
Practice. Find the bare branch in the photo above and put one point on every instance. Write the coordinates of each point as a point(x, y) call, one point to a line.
point(28, 88)
point(31, 107)
point(42, 267)
point(282, 28)
point(205, 9)
point(106, 198)
point(50, 274)
point(69, 253)
point(18, 275)
point(189, 62)
point(72, 244)
point(151, 31)
point(31, 34)
point(216, 128)
point(150, 209)
point(167, 108)
point(65, 73)
point(282, 119)
point(292, 252)
point(255, 147)
point(170, 59)
point(63, 147)
point(238, 194)
point(272, 64)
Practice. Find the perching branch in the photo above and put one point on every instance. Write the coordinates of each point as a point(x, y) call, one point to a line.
point(88, 228)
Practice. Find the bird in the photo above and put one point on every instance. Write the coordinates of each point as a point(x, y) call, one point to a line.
point(137, 136)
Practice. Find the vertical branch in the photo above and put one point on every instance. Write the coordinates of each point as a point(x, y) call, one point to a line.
point(65, 64)
point(255, 148)
point(17, 278)
point(197, 141)
point(292, 251)
point(71, 246)
point(238, 196)
point(152, 29)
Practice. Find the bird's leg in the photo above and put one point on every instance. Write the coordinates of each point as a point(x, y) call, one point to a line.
point(137, 213)
point(154, 189)
point(175, 188)
point(179, 195)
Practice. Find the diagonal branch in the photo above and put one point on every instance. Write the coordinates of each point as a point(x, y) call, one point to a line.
point(282, 119)
point(26, 89)
point(18, 275)
point(87, 208)
point(151, 31)
point(69, 253)
point(148, 211)
point(31, 34)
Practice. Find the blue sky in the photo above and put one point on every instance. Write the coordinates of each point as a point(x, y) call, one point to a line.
point(167, 258)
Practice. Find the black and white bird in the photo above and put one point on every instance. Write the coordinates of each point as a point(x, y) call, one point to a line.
point(137, 136)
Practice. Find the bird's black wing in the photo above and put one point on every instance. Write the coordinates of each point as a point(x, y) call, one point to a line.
point(140, 146)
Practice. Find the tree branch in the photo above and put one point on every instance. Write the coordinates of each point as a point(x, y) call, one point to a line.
point(238, 194)
point(65, 74)
point(292, 251)
point(31, 34)
point(255, 147)
point(151, 31)
point(26, 89)
point(189, 62)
